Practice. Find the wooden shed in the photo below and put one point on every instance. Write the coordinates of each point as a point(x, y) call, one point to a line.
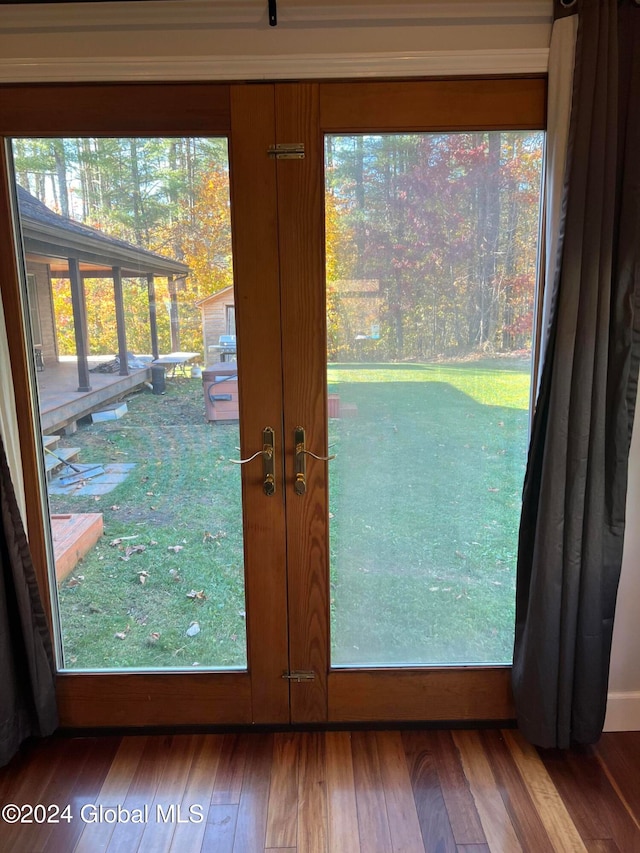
point(218, 317)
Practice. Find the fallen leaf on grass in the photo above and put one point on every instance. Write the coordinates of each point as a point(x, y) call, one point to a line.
point(197, 594)
point(114, 507)
point(94, 609)
point(213, 537)
point(142, 577)
point(175, 574)
point(132, 549)
point(493, 490)
point(153, 638)
point(74, 582)
point(175, 548)
point(122, 635)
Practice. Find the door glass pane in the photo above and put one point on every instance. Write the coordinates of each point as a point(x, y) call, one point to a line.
point(431, 264)
point(127, 245)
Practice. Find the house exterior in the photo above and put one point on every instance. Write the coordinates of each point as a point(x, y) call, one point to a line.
point(218, 318)
point(58, 247)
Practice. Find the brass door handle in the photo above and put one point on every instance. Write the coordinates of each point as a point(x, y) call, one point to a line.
point(300, 481)
point(268, 453)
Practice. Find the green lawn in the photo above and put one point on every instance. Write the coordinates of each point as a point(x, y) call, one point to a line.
point(424, 497)
point(184, 494)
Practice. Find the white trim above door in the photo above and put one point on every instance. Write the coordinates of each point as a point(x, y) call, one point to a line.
point(275, 67)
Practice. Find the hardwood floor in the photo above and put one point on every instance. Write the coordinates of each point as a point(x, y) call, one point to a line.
point(343, 792)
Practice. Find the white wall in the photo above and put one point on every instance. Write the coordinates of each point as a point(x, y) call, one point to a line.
point(623, 708)
point(230, 39)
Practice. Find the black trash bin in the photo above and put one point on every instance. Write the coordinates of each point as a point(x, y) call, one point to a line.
point(158, 378)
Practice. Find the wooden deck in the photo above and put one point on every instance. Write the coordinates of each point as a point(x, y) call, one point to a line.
point(61, 404)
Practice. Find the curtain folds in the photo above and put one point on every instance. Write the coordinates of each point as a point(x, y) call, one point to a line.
point(562, 52)
point(8, 418)
point(27, 673)
point(572, 524)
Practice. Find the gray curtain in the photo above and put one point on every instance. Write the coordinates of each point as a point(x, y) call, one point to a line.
point(573, 515)
point(27, 674)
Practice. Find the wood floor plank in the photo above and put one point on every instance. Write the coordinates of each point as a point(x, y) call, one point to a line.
point(163, 809)
point(359, 792)
point(95, 837)
point(64, 835)
point(430, 805)
point(251, 825)
point(26, 780)
point(228, 784)
point(190, 836)
point(282, 814)
point(461, 807)
point(493, 814)
point(562, 830)
point(342, 809)
point(513, 786)
point(127, 834)
point(404, 825)
point(59, 790)
point(619, 756)
point(221, 829)
point(312, 795)
point(373, 823)
point(21, 764)
point(40, 784)
point(589, 797)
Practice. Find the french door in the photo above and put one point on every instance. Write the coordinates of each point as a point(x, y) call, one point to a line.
point(363, 576)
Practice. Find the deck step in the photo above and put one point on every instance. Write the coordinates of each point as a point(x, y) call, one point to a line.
point(65, 454)
point(74, 535)
point(50, 441)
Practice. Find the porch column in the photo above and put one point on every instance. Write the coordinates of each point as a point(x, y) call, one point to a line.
point(153, 316)
point(79, 307)
point(120, 323)
point(173, 315)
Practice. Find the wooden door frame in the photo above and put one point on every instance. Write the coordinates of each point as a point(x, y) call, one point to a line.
point(259, 695)
point(305, 114)
point(292, 236)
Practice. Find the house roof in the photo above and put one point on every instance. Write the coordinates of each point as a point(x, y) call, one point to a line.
point(53, 237)
point(213, 297)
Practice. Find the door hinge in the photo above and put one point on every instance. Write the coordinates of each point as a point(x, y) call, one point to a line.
point(287, 151)
point(299, 675)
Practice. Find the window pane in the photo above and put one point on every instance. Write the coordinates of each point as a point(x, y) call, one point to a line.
point(128, 254)
point(431, 264)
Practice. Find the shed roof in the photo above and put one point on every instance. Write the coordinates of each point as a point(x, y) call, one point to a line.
point(54, 237)
point(213, 297)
